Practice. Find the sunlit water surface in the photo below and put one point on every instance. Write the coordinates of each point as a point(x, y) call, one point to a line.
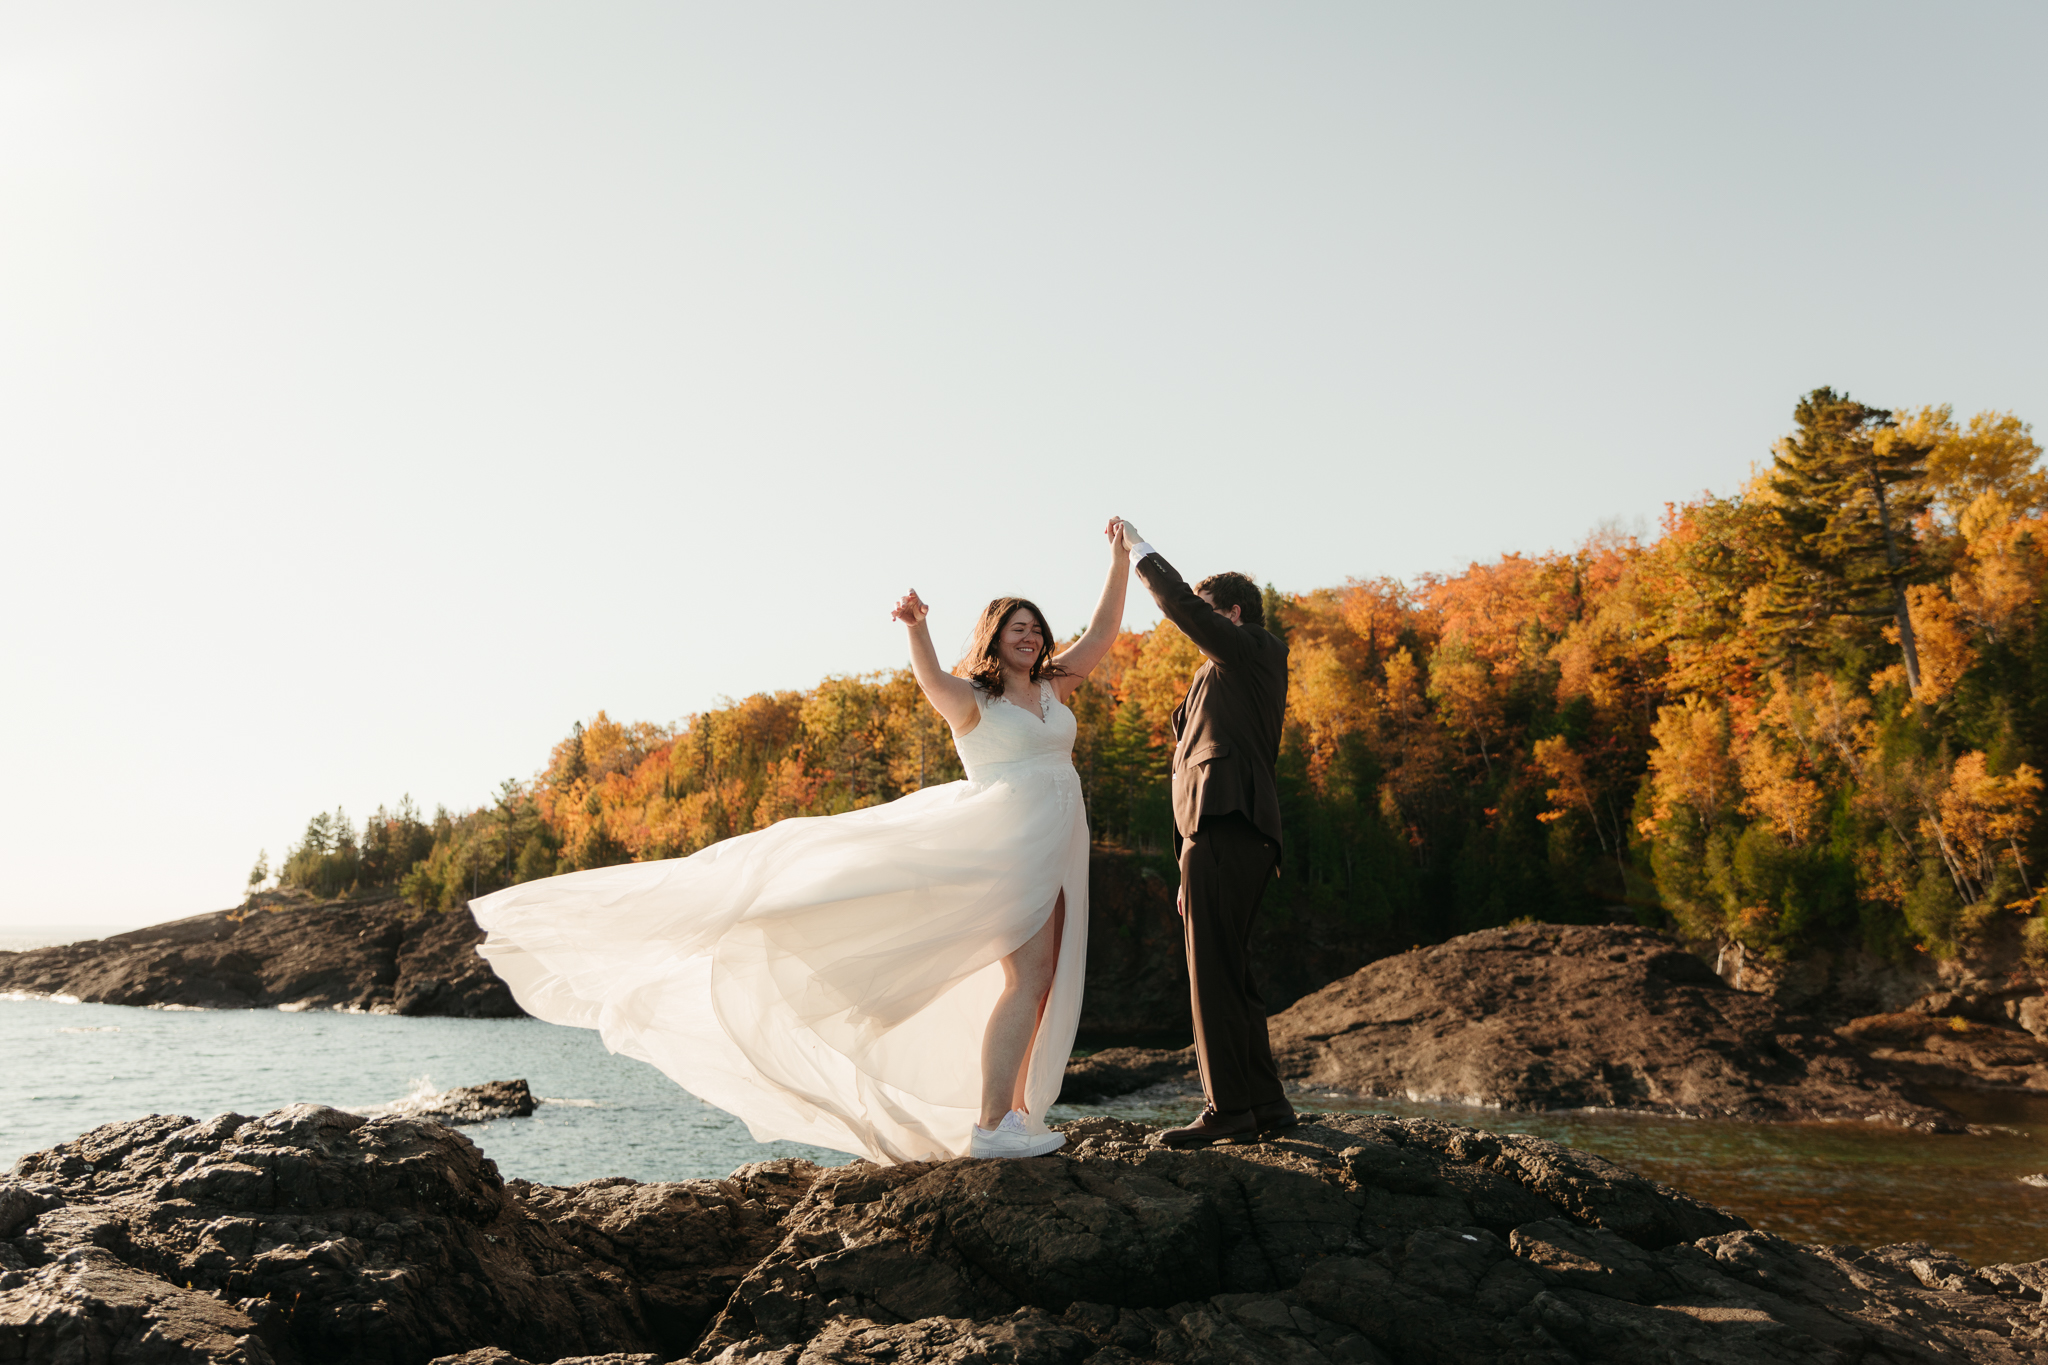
point(67, 1068)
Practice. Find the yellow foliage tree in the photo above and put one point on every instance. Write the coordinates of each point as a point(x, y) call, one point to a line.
point(1995, 453)
point(1461, 683)
point(1775, 787)
point(1979, 819)
point(1692, 765)
point(1945, 649)
point(1328, 702)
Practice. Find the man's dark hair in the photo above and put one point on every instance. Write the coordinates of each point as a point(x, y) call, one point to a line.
point(1229, 590)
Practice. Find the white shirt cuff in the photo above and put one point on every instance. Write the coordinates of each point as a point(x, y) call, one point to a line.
point(1140, 550)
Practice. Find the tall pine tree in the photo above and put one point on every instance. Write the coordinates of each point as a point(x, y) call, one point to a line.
point(1847, 501)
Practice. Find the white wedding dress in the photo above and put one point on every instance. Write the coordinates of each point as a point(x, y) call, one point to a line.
point(828, 979)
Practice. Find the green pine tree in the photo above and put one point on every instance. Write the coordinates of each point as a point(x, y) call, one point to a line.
point(1847, 500)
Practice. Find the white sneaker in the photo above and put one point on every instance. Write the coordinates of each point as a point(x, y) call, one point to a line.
point(1010, 1138)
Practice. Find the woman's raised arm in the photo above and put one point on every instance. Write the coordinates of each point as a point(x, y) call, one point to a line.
point(1079, 658)
point(951, 697)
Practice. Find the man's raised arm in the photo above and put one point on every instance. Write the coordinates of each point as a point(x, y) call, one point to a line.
point(1213, 632)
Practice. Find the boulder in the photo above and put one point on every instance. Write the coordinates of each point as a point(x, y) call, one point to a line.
point(1554, 1016)
point(1557, 1016)
point(311, 1235)
point(463, 1104)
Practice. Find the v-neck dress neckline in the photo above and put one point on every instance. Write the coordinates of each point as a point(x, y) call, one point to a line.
point(1043, 715)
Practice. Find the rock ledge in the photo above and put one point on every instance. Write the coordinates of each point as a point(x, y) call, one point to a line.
point(313, 1235)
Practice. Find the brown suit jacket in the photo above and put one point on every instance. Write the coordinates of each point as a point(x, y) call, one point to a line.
point(1227, 729)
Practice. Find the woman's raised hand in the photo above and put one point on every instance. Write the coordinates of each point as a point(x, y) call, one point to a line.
point(1115, 532)
point(910, 609)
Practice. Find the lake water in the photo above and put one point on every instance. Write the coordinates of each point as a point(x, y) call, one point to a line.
point(67, 1068)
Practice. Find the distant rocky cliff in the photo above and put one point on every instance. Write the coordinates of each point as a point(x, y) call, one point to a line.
point(291, 951)
point(280, 952)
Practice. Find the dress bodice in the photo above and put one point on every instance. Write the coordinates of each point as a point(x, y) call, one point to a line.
point(1010, 734)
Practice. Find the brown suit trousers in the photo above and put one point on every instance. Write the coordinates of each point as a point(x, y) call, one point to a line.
point(1224, 868)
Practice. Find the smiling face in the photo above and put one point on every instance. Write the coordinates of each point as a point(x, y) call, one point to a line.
point(1010, 638)
point(1021, 640)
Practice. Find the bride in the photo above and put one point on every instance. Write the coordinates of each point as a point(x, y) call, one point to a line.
point(901, 981)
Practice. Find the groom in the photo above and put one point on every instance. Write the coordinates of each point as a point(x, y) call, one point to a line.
point(1226, 815)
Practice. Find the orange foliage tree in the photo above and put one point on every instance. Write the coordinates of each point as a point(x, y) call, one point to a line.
point(1708, 728)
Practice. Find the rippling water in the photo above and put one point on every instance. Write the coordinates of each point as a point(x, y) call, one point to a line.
point(67, 1068)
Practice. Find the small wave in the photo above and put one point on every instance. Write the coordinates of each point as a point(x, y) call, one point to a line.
point(573, 1104)
point(93, 1028)
point(421, 1096)
point(38, 995)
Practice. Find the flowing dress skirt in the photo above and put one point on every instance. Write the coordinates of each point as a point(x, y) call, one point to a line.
point(827, 979)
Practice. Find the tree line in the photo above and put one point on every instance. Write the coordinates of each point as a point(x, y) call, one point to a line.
point(1807, 714)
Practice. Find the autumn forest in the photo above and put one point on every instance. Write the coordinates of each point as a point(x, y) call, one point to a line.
point(1810, 713)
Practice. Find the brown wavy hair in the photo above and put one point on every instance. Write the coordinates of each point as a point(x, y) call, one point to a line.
point(1229, 590)
point(983, 666)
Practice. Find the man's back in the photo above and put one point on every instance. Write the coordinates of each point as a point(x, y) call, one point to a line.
point(1227, 731)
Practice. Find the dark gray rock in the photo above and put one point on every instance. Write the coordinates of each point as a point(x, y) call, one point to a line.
point(1549, 1016)
point(1556, 1016)
point(312, 1235)
point(337, 1238)
point(88, 1305)
point(474, 1103)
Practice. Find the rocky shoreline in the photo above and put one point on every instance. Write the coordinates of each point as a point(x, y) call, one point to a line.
point(311, 1235)
point(1526, 1017)
point(289, 952)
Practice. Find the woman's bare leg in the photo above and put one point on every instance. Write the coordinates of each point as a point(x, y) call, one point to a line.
point(1006, 1045)
point(1059, 928)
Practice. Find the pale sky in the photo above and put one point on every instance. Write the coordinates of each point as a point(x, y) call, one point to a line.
point(384, 387)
